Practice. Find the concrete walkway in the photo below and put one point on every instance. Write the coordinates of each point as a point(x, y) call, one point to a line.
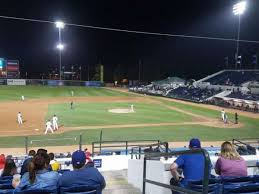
point(116, 183)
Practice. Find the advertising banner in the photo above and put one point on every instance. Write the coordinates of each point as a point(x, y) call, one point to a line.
point(16, 82)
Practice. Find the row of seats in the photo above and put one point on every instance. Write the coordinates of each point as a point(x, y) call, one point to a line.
point(229, 185)
point(192, 93)
point(7, 188)
point(239, 95)
point(82, 189)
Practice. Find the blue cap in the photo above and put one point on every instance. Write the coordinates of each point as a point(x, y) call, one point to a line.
point(195, 143)
point(78, 157)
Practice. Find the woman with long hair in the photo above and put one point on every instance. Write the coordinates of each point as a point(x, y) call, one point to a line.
point(38, 176)
point(10, 168)
point(230, 163)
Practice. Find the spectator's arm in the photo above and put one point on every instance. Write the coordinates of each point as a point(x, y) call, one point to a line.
point(174, 172)
point(218, 166)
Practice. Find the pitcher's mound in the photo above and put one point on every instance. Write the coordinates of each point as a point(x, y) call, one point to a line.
point(121, 110)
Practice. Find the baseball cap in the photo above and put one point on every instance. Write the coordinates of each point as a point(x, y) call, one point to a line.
point(78, 157)
point(195, 143)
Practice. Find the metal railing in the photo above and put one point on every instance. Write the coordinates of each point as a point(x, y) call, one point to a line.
point(123, 145)
point(138, 150)
point(175, 188)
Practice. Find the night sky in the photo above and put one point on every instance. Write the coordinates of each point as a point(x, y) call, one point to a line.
point(33, 44)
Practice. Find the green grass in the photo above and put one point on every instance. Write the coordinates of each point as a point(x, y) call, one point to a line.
point(85, 114)
point(30, 92)
point(163, 133)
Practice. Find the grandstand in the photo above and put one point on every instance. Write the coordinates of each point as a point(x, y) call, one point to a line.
point(219, 89)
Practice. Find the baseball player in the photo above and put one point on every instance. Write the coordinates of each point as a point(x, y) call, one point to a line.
point(71, 104)
point(22, 97)
point(132, 108)
point(48, 127)
point(55, 122)
point(19, 118)
point(223, 115)
point(72, 93)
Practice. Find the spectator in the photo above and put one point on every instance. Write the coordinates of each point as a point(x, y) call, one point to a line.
point(192, 166)
point(2, 163)
point(38, 176)
point(10, 168)
point(89, 162)
point(81, 175)
point(55, 165)
point(26, 162)
point(230, 163)
point(41, 150)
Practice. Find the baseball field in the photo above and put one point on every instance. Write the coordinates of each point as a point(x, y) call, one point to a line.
point(109, 110)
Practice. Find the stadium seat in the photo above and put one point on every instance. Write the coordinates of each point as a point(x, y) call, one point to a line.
point(6, 178)
point(81, 189)
point(250, 188)
point(214, 186)
point(62, 171)
point(37, 191)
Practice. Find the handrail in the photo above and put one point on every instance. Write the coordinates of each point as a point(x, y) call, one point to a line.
point(148, 146)
point(174, 188)
point(125, 144)
point(237, 142)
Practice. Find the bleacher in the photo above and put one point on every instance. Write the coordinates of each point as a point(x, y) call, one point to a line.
point(192, 93)
point(233, 78)
point(240, 95)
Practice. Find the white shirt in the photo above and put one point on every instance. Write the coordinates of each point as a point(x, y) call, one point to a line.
point(48, 124)
point(55, 119)
point(19, 115)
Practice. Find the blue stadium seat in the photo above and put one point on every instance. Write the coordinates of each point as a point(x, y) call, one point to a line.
point(62, 171)
point(81, 189)
point(250, 188)
point(6, 185)
point(214, 186)
point(237, 180)
point(6, 178)
point(37, 191)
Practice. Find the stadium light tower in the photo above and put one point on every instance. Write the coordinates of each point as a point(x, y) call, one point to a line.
point(238, 9)
point(60, 25)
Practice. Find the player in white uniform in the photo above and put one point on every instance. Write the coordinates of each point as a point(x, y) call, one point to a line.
point(19, 118)
point(22, 97)
point(223, 115)
point(48, 127)
point(132, 108)
point(72, 93)
point(55, 122)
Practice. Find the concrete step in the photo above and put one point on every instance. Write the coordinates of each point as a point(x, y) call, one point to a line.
point(116, 183)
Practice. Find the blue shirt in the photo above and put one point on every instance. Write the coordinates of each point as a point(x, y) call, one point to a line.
point(84, 176)
point(192, 165)
point(44, 180)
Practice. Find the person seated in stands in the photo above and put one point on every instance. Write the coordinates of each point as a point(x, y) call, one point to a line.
point(38, 177)
point(192, 166)
point(10, 168)
point(2, 163)
point(26, 162)
point(230, 163)
point(55, 165)
point(81, 175)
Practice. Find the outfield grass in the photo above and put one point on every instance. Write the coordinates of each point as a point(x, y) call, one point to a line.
point(85, 114)
point(30, 92)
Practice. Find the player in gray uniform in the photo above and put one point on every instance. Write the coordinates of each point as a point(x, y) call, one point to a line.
point(55, 122)
point(48, 127)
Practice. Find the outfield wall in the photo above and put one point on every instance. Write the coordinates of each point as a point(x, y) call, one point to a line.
point(46, 82)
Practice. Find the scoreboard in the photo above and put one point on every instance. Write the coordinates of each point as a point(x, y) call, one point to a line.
point(13, 69)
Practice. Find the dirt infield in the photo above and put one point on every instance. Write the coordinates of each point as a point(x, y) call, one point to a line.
point(34, 112)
